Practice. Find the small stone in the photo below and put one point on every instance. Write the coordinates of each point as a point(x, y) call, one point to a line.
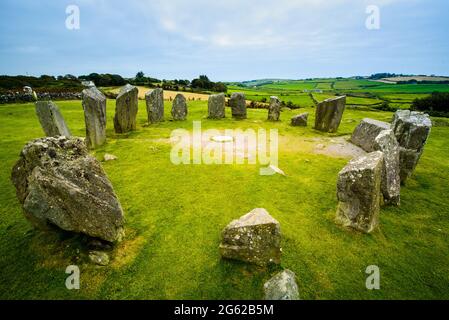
point(109, 157)
point(282, 286)
point(51, 119)
point(99, 257)
point(300, 120)
point(274, 109)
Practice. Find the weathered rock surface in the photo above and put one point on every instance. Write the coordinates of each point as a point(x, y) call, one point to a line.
point(300, 120)
point(274, 109)
point(329, 113)
point(216, 106)
point(59, 183)
point(412, 130)
point(366, 132)
point(51, 119)
point(282, 287)
point(126, 107)
point(99, 257)
point(155, 105)
point(179, 107)
point(254, 238)
point(237, 103)
point(358, 192)
point(94, 106)
point(391, 182)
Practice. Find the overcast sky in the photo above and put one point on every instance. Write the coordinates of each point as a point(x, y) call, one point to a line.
point(227, 40)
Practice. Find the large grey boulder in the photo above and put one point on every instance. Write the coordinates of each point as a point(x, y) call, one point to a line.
point(254, 238)
point(366, 132)
point(391, 182)
point(51, 119)
point(300, 120)
point(282, 287)
point(216, 106)
point(126, 107)
point(94, 106)
point(329, 113)
point(274, 109)
point(412, 129)
point(155, 105)
point(59, 183)
point(179, 107)
point(237, 103)
point(358, 192)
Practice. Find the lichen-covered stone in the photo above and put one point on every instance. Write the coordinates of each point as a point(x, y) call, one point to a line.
point(155, 105)
point(94, 106)
point(216, 106)
point(179, 107)
point(51, 119)
point(237, 103)
point(126, 107)
point(412, 129)
point(254, 238)
point(300, 120)
point(366, 132)
point(59, 183)
point(329, 113)
point(282, 287)
point(359, 192)
point(391, 182)
point(274, 109)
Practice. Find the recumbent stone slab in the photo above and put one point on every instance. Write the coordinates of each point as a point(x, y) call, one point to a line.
point(254, 238)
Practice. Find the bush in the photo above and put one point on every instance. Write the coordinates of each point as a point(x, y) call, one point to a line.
point(437, 104)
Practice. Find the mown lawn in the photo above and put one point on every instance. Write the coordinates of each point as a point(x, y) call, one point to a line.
point(174, 216)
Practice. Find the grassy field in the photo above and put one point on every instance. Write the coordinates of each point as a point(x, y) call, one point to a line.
point(175, 214)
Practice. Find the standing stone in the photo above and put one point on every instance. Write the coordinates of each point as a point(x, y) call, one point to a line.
point(412, 130)
point(329, 113)
point(254, 238)
point(155, 105)
point(94, 105)
point(51, 119)
point(282, 287)
point(391, 182)
point(126, 107)
point(237, 103)
point(300, 120)
point(358, 192)
point(59, 183)
point(274, 109)
point(365, 133)
point(179, 108)
point(216, 106)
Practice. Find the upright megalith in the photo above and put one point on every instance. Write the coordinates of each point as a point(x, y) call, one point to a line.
point(412, 130)
point(59, 183)
point(155, 105)
point(216, 106)
point(300, 120)
point(179, 108)
point(391, 183)
point(282, 286)
point(94, 106)
point(329, 113)
point(274, 109)
point(126, 107)
point(51, 119)
point(366, 132)
point(237, 103)
point(254, 238)
point(358, 192)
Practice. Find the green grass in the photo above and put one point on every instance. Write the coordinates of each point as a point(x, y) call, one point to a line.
point(174, 216)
